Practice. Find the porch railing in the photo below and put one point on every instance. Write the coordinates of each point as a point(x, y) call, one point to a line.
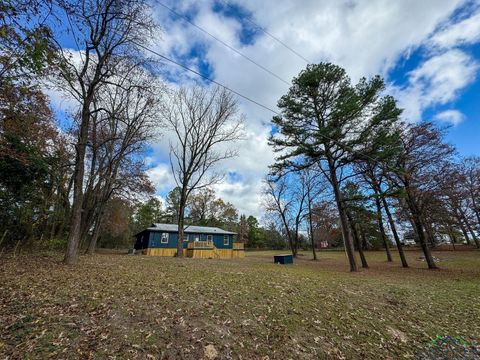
point(208, 244)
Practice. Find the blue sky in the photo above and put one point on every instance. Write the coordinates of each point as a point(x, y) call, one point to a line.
point(428, 52)
point(465, 135)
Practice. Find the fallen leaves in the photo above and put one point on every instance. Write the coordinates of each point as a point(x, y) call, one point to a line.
point(143, 307)
point(209, 352)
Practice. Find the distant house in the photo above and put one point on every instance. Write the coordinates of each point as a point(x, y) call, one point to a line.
point(409, 238)
point(198, 242)
point(322, 244)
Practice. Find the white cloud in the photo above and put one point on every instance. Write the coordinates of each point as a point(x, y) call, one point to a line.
point(453, 117)
point(366, 37)
point(250, 166)
point(466, 31)
point(161, 176)
point(437, 81)
point(445, 75)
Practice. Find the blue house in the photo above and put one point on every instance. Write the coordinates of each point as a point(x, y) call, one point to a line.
point(199, 241)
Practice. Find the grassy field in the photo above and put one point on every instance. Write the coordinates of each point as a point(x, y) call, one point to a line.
point(113, 306)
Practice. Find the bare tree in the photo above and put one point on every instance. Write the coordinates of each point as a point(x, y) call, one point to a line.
point(457, 193)
point(326, 223)
point(420, 166)
point(204, 124)
point(119, 132)
point(288, 204)
point(373, 175)
point(470, 170)
point(312, 186)
point(107, 32)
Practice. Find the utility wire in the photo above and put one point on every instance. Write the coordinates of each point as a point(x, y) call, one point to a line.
point(206, 78)
point(342, 146)
point(262, 29)
point(223, 43)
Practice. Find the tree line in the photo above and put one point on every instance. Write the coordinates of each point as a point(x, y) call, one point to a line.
point(58, 180)
point(348, 170)
point(345, 144)
point(65, 176)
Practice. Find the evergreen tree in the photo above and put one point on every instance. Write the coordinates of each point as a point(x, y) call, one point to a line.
point(148, 213)
point(327, 122)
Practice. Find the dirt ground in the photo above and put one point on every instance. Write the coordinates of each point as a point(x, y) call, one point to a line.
point(114, 306)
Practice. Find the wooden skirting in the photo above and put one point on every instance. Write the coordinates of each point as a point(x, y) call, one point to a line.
point(197, 253)
point(169, 252)
point(238, 253)
point(224, 253)
point(202, 253)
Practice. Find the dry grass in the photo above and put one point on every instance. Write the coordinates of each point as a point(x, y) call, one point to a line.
point(135, 307)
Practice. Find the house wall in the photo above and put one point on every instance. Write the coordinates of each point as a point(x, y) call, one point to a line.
point(156, 236)
point(150, 242)
point(156, 240)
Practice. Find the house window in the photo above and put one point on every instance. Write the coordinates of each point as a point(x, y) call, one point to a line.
point(209, 238)
point(164, 238)
point(225, 240)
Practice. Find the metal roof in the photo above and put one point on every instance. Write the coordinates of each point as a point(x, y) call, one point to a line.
point(190, 229)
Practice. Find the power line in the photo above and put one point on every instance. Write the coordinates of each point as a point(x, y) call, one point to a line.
point(342, 146)
point(223, 43)
point(206, 78)
point(262, 29)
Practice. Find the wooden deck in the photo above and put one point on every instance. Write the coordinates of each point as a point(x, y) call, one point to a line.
point(201, 249)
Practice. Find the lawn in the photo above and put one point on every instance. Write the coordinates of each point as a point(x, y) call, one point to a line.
point(114, 306)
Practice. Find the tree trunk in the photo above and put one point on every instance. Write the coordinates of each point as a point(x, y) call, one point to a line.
point(346, 234)
point(393, 228)
point(295, 242)
point(92, 245)
point(15, 249)
point(289, 234)
point(381, 228)
point(181, 233)
point(310, 224)
point(418, 226)
point(53, 228)
point(67, 215)
point(462, 228)
point(291, 243)
point(71, 255)
point(452, 237)
point(469, 227)
point(181, 221)
point(356, 239)
point(475, 207)
point(361, 247)
point(475, 239)
point(314, 252)
point(429, 231)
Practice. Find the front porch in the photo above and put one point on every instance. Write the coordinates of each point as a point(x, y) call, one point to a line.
point(206, 249)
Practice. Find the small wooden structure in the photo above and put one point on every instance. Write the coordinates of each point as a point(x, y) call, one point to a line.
point(199, 242)
point(283, 259)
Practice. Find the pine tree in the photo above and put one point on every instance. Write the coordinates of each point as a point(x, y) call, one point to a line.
point(328, 122)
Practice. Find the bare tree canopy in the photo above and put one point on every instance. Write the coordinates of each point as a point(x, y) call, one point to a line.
point(107, 34)
point(204, 124)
